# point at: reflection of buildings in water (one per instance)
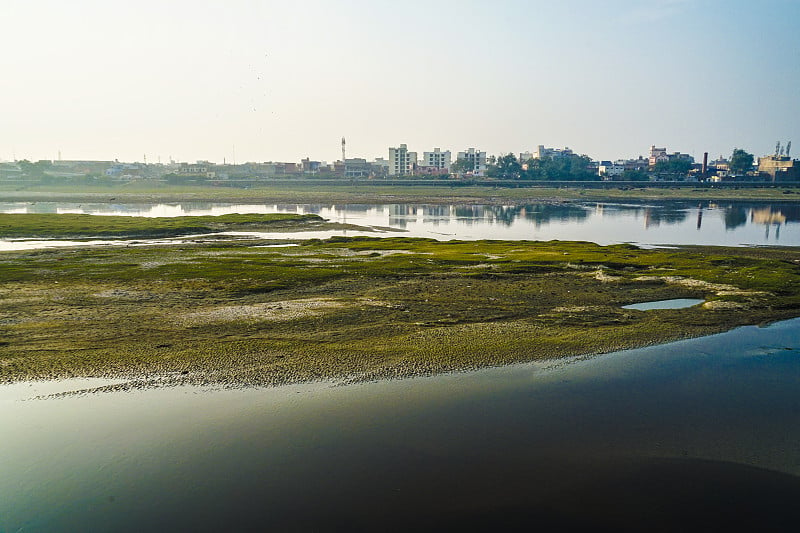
(699, 217)
(436, 210)
(353, 208)
(435, 214)
(287, 208)
(470, 214)
(399, 214)
(768, 217)
(647, 221)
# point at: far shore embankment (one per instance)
(383, 191)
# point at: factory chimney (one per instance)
(704, 175)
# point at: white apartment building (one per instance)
(477, 158)
(437, 159)
(401, 161)
(608, 169)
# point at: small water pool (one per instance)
(676, 303)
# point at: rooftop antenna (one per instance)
(788, 147)
(777, 148)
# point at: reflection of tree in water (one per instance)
(506, 215)
(791, 212)
(544, 213)
(735, 216)
(656, 216)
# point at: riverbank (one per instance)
(235, 313)
(310, 192)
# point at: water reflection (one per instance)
(689, 436)
(659, 223)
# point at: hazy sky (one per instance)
(281, 80)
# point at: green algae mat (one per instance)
(51, 225)
(240, 313)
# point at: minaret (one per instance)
(344, 161)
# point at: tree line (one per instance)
(570, 167)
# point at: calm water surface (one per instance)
(695, 435)
(731, 224)
(675, 303)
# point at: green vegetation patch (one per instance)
(81, 226)
(364, 308)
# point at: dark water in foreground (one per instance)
(696, 435)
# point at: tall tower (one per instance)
(343, 143)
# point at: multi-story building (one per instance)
(657, 155)
(779, 168)
(640, 163)
(311, 167)
(201, 168)
(401, 161)
(357, 168)
(610, 170)
(541, 152)
(380, 167)
(437, 159)
(477, 160)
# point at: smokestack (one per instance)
(705, 165)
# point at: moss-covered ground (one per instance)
(364, 308)
(78, 225)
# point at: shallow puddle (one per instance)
(676, 303)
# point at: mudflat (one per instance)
(239, 313)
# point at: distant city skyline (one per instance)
(280, 81)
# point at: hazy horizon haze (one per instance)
(281, 81)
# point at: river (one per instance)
(695, 435)
(655, 224)
(687, 435)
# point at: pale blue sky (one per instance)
(285, 80)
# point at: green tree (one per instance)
(635, 175)
(34, 170)
(676, 166)
(462, 166)
(741, 162)
(505, 167)
(563, 168)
